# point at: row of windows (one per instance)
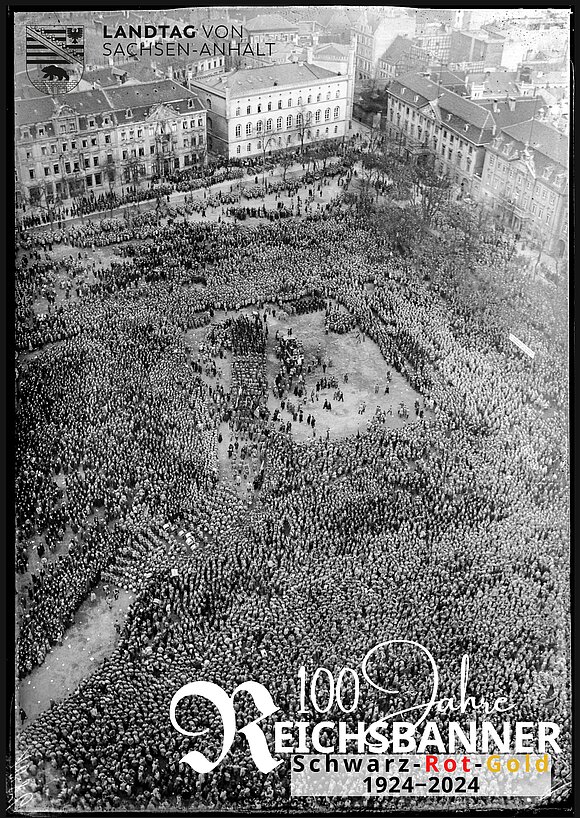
(289, 103)
(270, 144)
(267, 125)
(71, 125)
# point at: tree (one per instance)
(434, 191)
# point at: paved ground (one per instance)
(83, 648)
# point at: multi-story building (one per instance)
(270, 28)
(475, 50)
(436, 41)
(373, 34)
(452, 18)
(278, 107)
(525, 176)
(105, 139)
(431, 123)
(401, 57)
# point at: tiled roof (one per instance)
(255, 79)
(524, 108)
(397, 49)
(149, 93)
(543, 138)
(270, 22)
(327, 50)
(415, 84)
(118, 98)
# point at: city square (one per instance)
(269, 407)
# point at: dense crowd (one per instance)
(449, 530)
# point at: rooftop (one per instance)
(255, 79)
(543, 138)
(270, 22)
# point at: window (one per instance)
(238, 130)
(268, 124)
(309, 100)
(290, 102)
(259, 144)
(238, 149)
(87, 162)
(540, 212)
(84, 143)
(249, 147)
(209, 124)
(308, 116)
(238, 111)
(96, 159)
(317, 116)
(318, 132)
(318, 97)
(125, 154)
(248, 129)
(73, 145)
(278, 123)
(106, 121)
(89, 180)
(190, 103)
(289, 121)
(249, 109)
(46, 171)
(298, 119)
(259, 126)
(94, 142)
(128, 113)
(337, 112)
(259, 108)
(269, 106)
(55, 169)
(98, 178)
(152, 149)
(107, 139)
(327, 114)
(41, 130)
(67, 167)
(336, 129)
(53, 148)
(208, 104)
(44, 151)
(279, 104)
(299, 100)
(337, 93)
(328, 95)
(62, 129)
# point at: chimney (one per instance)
(309, 54)
(495, 107)
(511, 103)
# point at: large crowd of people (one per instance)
(449, 530)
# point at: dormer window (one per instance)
(41, 130)
(128, 113)
(91, 123)
(25, 133)
(106, 121)
(190, 103)
(416, 98)
(466, 127)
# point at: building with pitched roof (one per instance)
(525, 177)
(276, 107)
(432, 123)
(402, 56)
(271, 28)
(104, 139)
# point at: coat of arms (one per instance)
(55, 57)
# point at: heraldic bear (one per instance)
(52, 72)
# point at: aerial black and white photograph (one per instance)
(291, 456)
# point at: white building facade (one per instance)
(280, 107)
